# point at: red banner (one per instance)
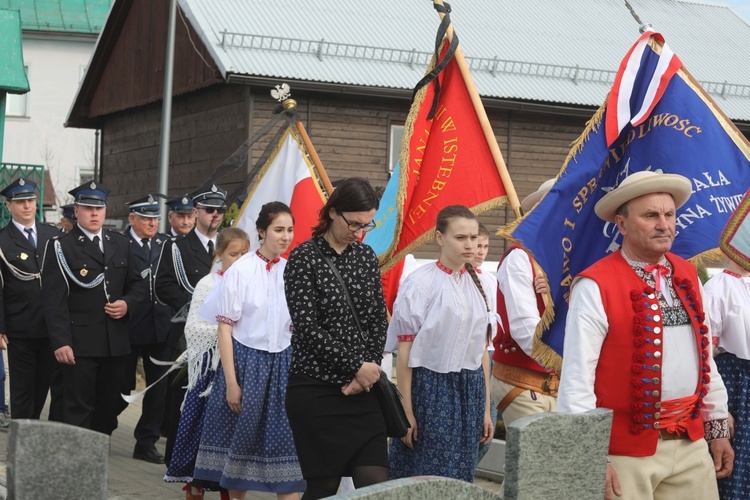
(444, 161)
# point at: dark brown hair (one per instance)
(269, 212)
(450, 212)
(354, 194)
(483, 231)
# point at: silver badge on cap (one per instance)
(214, 188)
(92, 185)
(150, 199)
(21, 182)
(184, 201)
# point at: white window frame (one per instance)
(17, 105)
(396, 134)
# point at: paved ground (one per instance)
(136, 479)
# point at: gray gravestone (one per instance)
(54, 460)
(558, 456)
(432, 487)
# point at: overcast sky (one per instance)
(741, 7)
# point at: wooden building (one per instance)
(352, 101)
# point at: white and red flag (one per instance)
(289, 177)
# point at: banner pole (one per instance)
(489, 135)
(291, 104)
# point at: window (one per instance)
(85, 174)
(17, 104)
(397, 133)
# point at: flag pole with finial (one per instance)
(476, 100)
(282, 94)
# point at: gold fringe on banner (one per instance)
(428, 236)
(404, 157)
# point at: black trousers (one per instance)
(91, 392)
(147, 429)
(30, 366)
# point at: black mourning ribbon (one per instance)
(432, 75)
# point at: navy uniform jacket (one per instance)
(196, 262)
(149, 321)
(75, 315)
(21, 313)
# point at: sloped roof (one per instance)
(61, 16)
(548, 51)
(12, 73)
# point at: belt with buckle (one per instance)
(544, 383)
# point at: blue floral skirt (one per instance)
(182, 462)
(449, 409)
(252, 451)
(736, 375)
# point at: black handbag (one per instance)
(396, 423)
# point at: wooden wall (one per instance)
(350, 134)
(133, 74)
(207, 126)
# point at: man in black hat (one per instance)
(68, 219)
(148, 327)
(184, 261)
(22, 327)
(91, 282)
(181, 215)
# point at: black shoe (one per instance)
(149, 455)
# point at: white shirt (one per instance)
(516, 280)
(728, 308)
(23, 229)
(205, 239)
(91, 235)
(254, 298)
(449, 317)
(585, 331)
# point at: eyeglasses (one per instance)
(210, 210)
(354, 226)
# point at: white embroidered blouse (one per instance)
(445, 316)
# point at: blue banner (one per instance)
(381, 238)
(684, 134)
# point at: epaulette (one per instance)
(112, 231)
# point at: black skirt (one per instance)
(334, 433)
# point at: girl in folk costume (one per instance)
(203, 358)
(443, 318)
(247, 443)
(727, 297)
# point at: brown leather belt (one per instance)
(544, 383)
(666, 435)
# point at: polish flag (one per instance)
(288, 177)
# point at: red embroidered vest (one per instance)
(507, 351)
(628, 375)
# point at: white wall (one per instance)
(55, 66)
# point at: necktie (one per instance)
(96, 242)
(30, 235)
(211, 248)
(146, 246)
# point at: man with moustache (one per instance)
(148, 327)
(22, 326)
(181, 215)
(184, 261)
(637, 342)
(90, 284)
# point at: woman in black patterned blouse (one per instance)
(337, 423)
